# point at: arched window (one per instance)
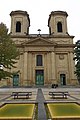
(18, 26)
(39, 60)
(59, 27)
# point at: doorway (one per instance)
(63, 79)
(16, 80)
(39, 77)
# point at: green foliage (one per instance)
(8, 52)
(77, 59)
(4, 74)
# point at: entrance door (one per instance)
(63, 79)
(15, 80)
(39, 77)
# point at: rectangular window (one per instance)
(39, 60)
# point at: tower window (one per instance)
(39, 60)
(59, 27)
(18, 26)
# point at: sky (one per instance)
(39, 11)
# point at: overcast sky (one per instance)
(39, 11)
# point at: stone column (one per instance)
(45, 69)
(21, 67)
(25, 68)
(33, 69)
(53, 73)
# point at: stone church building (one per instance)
(45, 59)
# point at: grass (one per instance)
(17, 110)
(64, 110)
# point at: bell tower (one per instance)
(20, 22)
(57, 23)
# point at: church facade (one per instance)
(45, 59)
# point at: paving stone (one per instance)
(41, 108)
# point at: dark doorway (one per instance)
(39, 77)
(63, 79)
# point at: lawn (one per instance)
(66, 110)
(17, 111)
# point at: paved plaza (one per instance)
(40, 95)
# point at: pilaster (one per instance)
(69, 68)
(48, 67)
(72, 66)
(53, 73)
(25, 68)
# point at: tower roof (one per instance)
(59, 13)
(18, 12)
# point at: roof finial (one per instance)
(39, 31)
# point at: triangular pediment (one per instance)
(39, 41)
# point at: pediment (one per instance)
(39, 41)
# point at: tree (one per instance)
(77, 59)
(8, 52)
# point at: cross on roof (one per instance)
(39, 31)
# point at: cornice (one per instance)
(65, 45)
(43, 36)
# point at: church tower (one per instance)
(57, 23)
(20, 22)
